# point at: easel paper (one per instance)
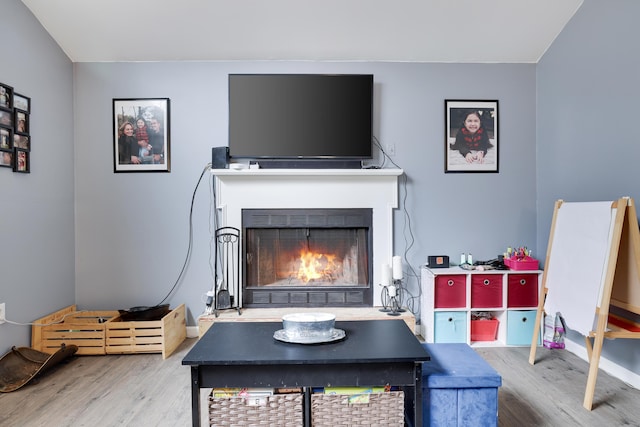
(578, 262)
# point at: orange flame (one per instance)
(314, 266)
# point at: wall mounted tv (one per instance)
(301, 118)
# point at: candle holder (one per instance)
(400, 291)
(384, 298)
(392, 298)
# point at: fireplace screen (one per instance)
(307, 258)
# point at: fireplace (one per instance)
(307, 257)
(236, 191)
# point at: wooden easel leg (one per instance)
(593, 373)
(536, 330)
(534, 340)
(589, 347)
(594, 361)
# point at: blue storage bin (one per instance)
(450, 327)
(520, 327)
(459, 388)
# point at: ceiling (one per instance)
(494, 31)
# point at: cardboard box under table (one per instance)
(459, 387)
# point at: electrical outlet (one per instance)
(390, 149)
(3, 315)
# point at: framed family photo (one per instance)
(6, 97)
(22, 161)
(6, 159)
(21, 102)
(6, 118)
(22, 141)
(6, 139)
(21, 122)
(141, 135)
(471, 136)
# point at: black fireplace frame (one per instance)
(305, 296)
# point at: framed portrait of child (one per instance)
(471, 136)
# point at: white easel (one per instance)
(619, 276)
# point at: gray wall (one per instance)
(132, 229)
(587, 122)
(37, 211)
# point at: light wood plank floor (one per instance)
(144, 390)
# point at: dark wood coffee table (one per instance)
(245, 354)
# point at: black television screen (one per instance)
(300, 116)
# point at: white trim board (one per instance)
(611, 368)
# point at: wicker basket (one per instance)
(277, 410)
(382, 410)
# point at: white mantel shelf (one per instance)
(375, 189)
(306, 172)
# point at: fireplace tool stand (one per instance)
(392, 296)
(227, 270)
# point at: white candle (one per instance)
(392, 290)
(386, 274)
(397, 268)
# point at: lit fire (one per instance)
(315, 266)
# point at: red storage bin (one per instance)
(484, 330)
(450, 291)
(486, 291)
(523, 290)
(526, 263)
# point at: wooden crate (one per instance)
(86, 329)
(156, 336)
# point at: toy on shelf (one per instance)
(520, 259)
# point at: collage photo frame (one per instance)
(15, 124)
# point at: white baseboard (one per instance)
(192, 332)
(611, 368)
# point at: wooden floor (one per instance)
(144, 390)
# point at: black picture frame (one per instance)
(6, 158)
(129, 153)
(21, 102)
(6, 138)
(21, 122)
(6, 97)
(475, 149)
(21, 161)
(6, 118)
(15, 124)
(22, 141)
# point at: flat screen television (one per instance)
(300, 116)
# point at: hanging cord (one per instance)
(101, 319)
(213, 227)
(407, 230)
(190, 245)
(411, 301)
(385, 156)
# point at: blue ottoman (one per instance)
(459, 388)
